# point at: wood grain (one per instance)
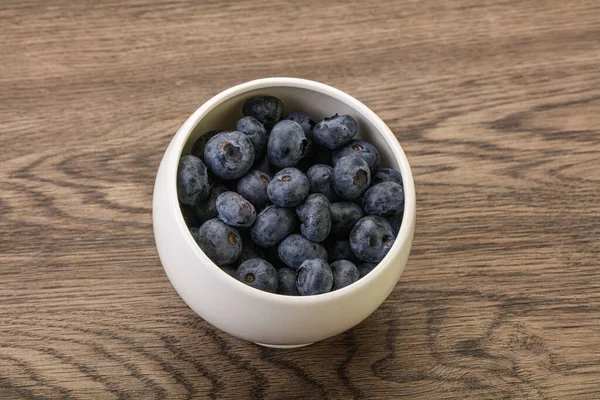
(497, 105)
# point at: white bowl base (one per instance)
(283, 346)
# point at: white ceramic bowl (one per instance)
(265, 318)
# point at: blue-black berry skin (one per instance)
(235, 210)
(287, 144)
(315, 215)
(249, 250)
(266, 109)
(387, 175)
(314, 277)
(335, 131)
(256, 132)
(229, 155)
(304, 164)
(287, 282)
(272, 225)
(207, 209)
(340, 250)
(229, 270)
(304, 120)
(288, 188)
(320, 177)
(253, 186)
(344, 273)
(231, 184)
(371, 238)
(360, 148)
(200, 144)
(264, 165)
(189, 216)
(396, 222)
(258, 274)
(307, 124)
(344, 215)
(351, 177)
(194, 231)
(192, 180)
(295, 249)
(365, 268)
(385, 199)
(220, 242)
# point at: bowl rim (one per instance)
(406, 229)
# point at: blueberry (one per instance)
(267, 109)
(304, 164)
(189, 215)
(351, 177)
(340, 250)
(229, 155)
(192, 180)
(287, 144)
(385, 199)
(320, 178)
(249, 250)
(256, 132)
(200, 144)
(344, 274)
(253, 186)
(396, 222)
(207, 209)
(387, 175)
(295, 249)
(371, 238)
(229, 270)
(307, 124)
(287, 282)
(364, 150)
(365, 268)
(304, 120)
(235, 210)
(194, 231)
(288, 188)
(264, 165)
(272, 225)
(314, 277)
(315, 216)
(344, 215)
(221, 243)
(333, 132)
(259, 274)
(231, 184)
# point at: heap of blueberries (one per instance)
(289, 206)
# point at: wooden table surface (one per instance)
(497, 105)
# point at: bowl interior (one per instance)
(318, 105)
